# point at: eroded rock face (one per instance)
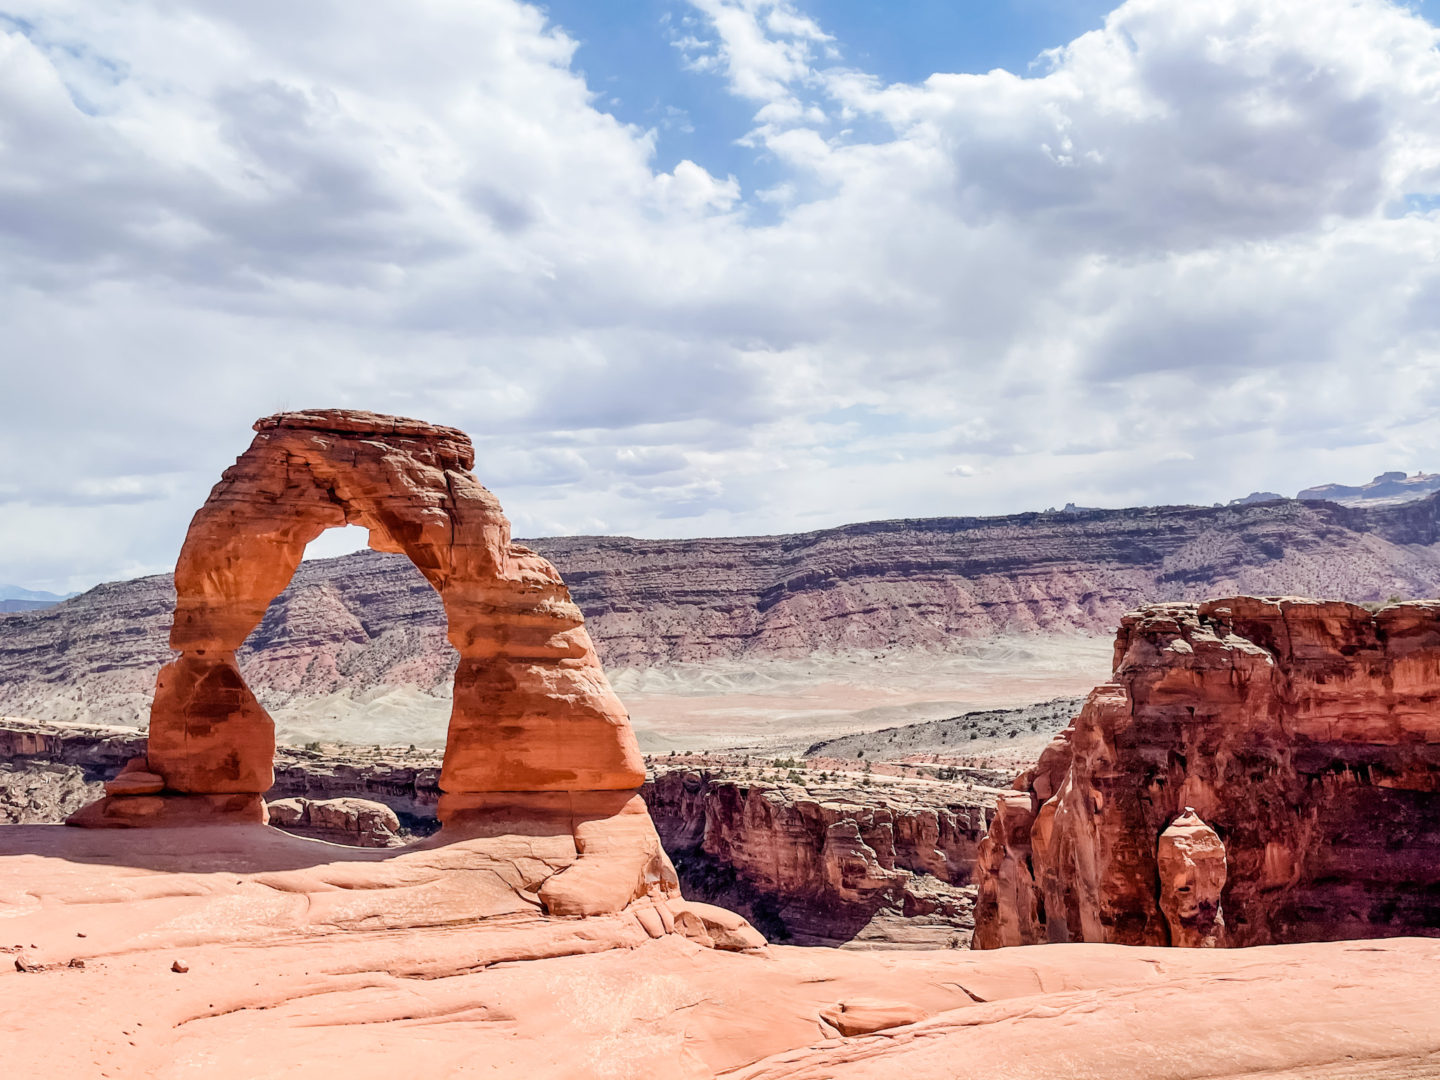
(532, 708)
(826, 868)
(1191, 862)
(1306, 736)
(540, 754)
(354, 822)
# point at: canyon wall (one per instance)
(888, 864)
(1304, 735)
(367, 624)
(826, 865)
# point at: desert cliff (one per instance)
(1299, 743)
(826, 863)
(366, 625)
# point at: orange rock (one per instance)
(357, 822)
(135, 782)
(1305, 734)
(532, 711)
(1191, 861)
(714, 927)
(861, 1016)
(540, 750)
(149, 811)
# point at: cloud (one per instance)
(1195, 252)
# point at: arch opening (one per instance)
(354, 652)
(352, 663)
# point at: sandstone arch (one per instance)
(533, 711)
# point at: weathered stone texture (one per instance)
(826, 865)
(1305, 734)
(540, 756)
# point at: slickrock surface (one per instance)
(366, 629)
(1305, 734)
(908, 883)
(827, 863)
(240, 952)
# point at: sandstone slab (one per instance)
(305, 959)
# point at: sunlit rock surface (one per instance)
(1305, 734)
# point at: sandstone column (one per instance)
(1191, 859)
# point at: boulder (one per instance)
(354, 822)
(862, 1016)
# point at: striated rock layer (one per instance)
(1297, 742)
(367, 623)
(882, 866)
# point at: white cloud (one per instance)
(1196, 240)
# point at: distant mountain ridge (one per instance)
(15, 592)
(1387, 488)
(362, 626)
(14, 598)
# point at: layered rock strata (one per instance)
(539, 747)
(829, 864)
(1258, 771)
(369, 622)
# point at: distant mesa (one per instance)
(14, 598)
(1388, 487)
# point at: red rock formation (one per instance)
(1191, 860)
(1305, 733)
(538, 743)
(887, 863)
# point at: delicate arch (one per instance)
(532, 711)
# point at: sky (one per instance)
(714, 267)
